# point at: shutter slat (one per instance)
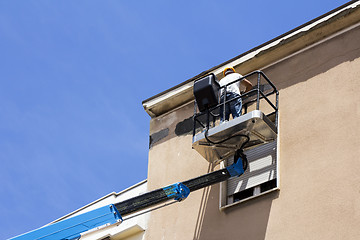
(262, 168)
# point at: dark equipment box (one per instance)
(206, 92)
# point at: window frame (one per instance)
(225, 201)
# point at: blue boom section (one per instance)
(72, 228)
(177, 191)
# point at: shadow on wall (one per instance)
(246, 220)
(295, 69)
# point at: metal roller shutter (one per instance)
(262, 168)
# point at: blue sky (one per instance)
(73, 75)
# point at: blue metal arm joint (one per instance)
(178, 191)
(236, 169)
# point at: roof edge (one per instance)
(290, 35)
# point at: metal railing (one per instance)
(262, 90)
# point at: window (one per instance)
(260, 177)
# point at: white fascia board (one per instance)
(168, 95)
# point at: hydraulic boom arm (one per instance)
(180, 191)
(72, 228)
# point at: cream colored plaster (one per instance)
(320, 194)
(174, 161)
(170, 119)
(169, 163)
(319, 126)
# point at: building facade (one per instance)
(316, 69)
(311, 190)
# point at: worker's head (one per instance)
(228, 70)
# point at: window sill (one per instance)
(249, 198)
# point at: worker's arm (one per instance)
(248, 84)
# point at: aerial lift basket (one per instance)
(217, 141)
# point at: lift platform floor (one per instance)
(254, 124)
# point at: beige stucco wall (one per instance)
(173, 160)
(319, 195)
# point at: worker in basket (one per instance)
(232, 91)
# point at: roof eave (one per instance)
(260, 56)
